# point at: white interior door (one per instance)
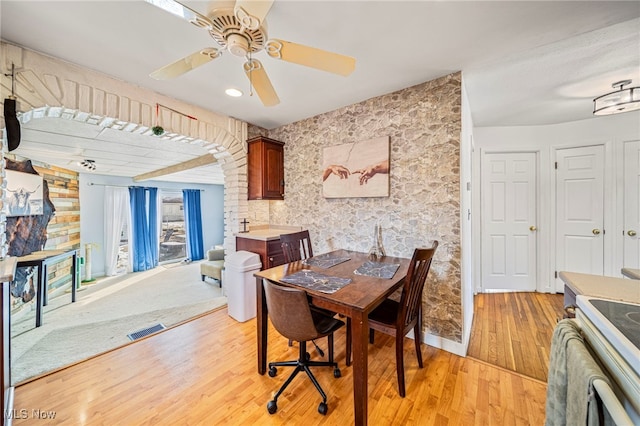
(509, 206)
(580, 210)
(631, 245)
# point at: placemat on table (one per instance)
(326, 260)
(316, 281)
(377, 269)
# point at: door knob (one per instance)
(596, 231)
(533, 228)
(631, 233)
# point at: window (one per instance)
(172, 232)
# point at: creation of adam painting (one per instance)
(359, 169)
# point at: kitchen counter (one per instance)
(268, 232)
(631, 273)
(604, 287)
(265, 241)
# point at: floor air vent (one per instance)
(146, 332)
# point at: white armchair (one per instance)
(213, 265)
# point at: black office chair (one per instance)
(293, 318)
(297, 246)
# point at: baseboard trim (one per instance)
(456, 348)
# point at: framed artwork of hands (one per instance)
(359, 169)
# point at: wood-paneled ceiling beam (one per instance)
(203, 160)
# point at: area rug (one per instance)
(105, 313)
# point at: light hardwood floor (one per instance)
(513, 330)
(205, 373)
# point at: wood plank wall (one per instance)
(63, 231)
(64, 228)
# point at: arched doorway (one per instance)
(48, 87)
(52, 89)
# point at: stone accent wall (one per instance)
(424, 125)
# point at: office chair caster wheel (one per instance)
(336, 373)
(273, 371)
(322, 408)
(307, 356)
(272, 407)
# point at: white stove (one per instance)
(612, 330)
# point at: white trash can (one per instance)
(241, 284)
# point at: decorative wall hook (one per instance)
(13, 81)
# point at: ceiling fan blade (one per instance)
(188, 63)
(310, 57)
(251, 13)
(182, 11)
(261, 83)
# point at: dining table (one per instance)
(347, 282)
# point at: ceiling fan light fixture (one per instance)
(89, 165)
(621, 100)
(237, 45)
(233, 92)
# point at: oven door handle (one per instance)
(609, 399)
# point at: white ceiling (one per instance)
(523, 63)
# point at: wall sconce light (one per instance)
(622, 100)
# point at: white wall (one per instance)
(610, 131)
(92, 212)
(466, 267)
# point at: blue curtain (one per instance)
(144, 227)
(193, 223)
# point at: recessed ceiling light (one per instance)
(233, 92)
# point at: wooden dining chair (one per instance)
(397, 318)
(297, 246)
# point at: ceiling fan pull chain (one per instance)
(251, 68)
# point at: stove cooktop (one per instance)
(617, 323)
(624, 316)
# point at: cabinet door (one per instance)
(265, 168)
(254, 171)
(273, 171)
(275, 256)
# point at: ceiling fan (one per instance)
(241, 30)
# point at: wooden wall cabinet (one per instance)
(265, 164)
(270, 251)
